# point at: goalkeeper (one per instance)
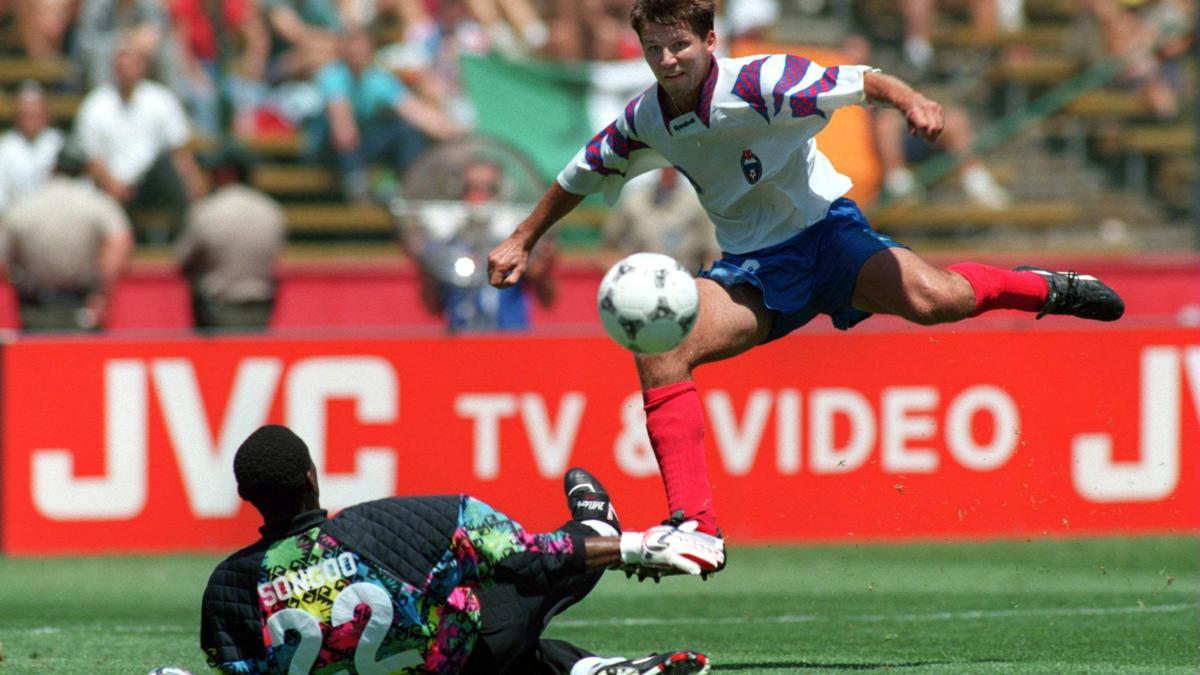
(440, 584)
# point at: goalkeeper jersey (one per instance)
(384, 587)
(747, 148)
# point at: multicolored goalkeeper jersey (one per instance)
(383, 587)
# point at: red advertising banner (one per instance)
(128, 445)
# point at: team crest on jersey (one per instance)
(752, 167)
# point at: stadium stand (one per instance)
(1102, 157)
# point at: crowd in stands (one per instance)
(373, 82)
(1152, 39)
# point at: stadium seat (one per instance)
(294, 180)
(948, 217)
(62, 108)
(338, 218)
(14, 69)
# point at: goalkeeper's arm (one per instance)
(500, 550)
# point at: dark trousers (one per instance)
(513, 619)
(388, 139)
(159, 203)
(211, 314)
(54, 311)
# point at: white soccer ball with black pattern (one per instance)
(648, 303)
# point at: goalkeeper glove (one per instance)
(666, 547)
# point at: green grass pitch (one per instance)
(1121, 605)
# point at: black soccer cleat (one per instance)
(1080, 295)
(683, 662)
(587, 499)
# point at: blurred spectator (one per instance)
(1152, 37)
(106, 26)
(224, 47)
(371, 117)
(450, 242)
(899, 150)
(65, 245)
(513, 27)
(425, 58)
(42, 24)
(661, 216)
(135, 134)
(28, 151)
(988, 17)
(304, 36)
(750, 19)
(592, 30)
(229, 247)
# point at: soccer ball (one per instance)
(648, 303)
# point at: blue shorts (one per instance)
(812, 273)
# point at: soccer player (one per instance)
(419, 584)
(741, 130)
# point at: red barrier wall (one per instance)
(126, 445)
(384, 294)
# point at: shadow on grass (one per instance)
(811, 665)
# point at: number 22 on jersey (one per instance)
(308, 627)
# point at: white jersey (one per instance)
(747, 148)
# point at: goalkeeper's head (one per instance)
(276, 474)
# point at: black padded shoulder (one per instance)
(407, 535)
(230, 625)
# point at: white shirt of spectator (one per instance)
(128, 136)
(748, 148)
(25, 164)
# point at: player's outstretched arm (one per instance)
(507, 262)
(664, 547)
(924, 116)
(495, 548)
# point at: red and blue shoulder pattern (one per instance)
(622, 145)
(748, 87)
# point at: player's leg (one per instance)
(512, 619)
(562, 658)
(897, 281)
(557, 657)
(732, 319)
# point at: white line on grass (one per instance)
(111, 628)
(743, 618)
(880, 618)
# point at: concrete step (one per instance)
(14, 69)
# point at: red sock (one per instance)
(1003, 289)
(675, 421)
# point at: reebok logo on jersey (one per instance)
(752, 167)
(680, 126)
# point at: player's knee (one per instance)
(656, 370)
(931, 300)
